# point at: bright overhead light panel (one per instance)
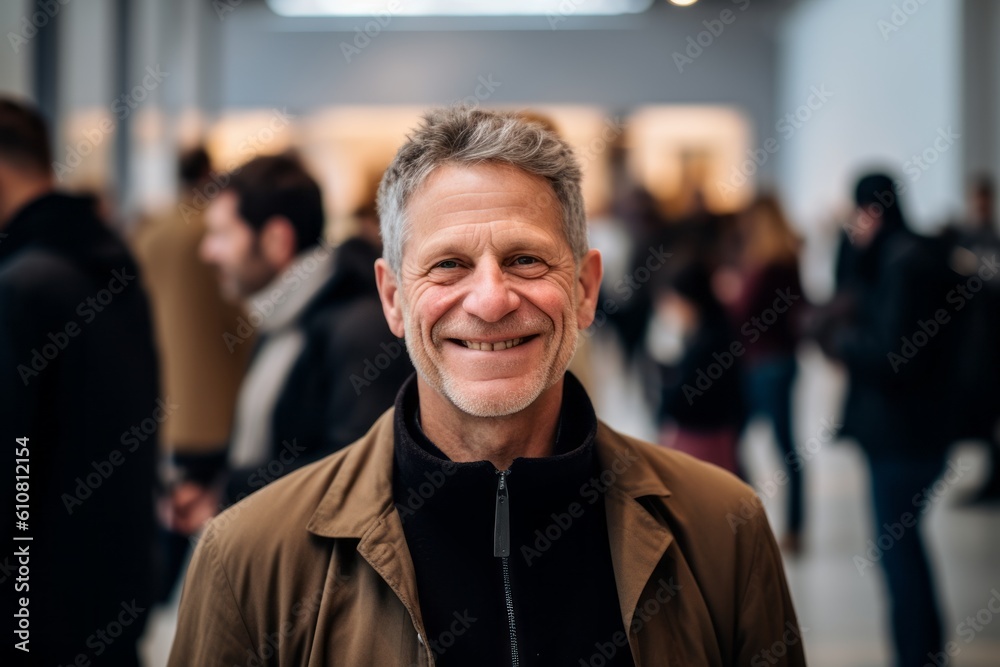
(456, 7)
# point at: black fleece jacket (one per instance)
(561, 582)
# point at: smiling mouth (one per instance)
(492, 347)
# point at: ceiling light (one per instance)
(455, 7)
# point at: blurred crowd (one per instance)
(912, 320)
(169, 372)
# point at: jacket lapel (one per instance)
(638, 540)
(384, 547)
(358, 505)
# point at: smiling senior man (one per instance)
(489, 518)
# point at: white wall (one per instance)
(616, 63)
(16, 63)
(893, 91)
(981, 51)
(87, 54)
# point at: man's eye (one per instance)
(525, 261)
(448, 264)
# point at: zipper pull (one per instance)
(501, 525)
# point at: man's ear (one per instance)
(278, 241)
(588, 286)
(389, 293)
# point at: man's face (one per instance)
(230, 245)
(490, 299)
(867, 222)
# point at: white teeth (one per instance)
(493, 347)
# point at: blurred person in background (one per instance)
(635, 209)
(977, 245)
(199, 373)
(899, 356)
(702, 407)
(80, 404)
(365, 214)
(763, 294)
(325, 364)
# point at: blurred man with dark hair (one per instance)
(24, 145)
(194, 168)
(325, 365)
(79, 397)
(896, 343)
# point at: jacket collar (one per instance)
(359, 505)
(361, 491)
(543, 484)
(293, 289)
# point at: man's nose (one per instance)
(490, 297)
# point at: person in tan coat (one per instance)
(191, 318)
(200, 375)
(489, 517)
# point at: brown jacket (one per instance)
(314, 569)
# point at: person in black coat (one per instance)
(895, 334)
(324, 365)
(975, 247)
(79, 415)
(895, 341)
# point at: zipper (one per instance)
(501, 525)
(501, 550)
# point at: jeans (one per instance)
(898, 489)
(767, 387)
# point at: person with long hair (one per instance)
(767, 269)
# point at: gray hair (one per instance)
(469, 135)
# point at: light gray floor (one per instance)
(841, 611)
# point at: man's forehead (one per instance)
(223, 213)
(459, 190)
(498, 234)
